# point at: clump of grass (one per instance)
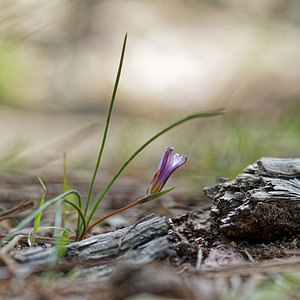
(85, 215)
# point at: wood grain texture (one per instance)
(261, 204)
(100, 255)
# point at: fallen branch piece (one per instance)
(261, 204)
(137, 244)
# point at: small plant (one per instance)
(168, 164)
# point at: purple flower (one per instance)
(167, 165)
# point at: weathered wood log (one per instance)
(261, 204)
(138, 244)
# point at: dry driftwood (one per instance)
(263, 203)
(141, 243)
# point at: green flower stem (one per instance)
(190, 117)
(106, 126)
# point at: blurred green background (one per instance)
(58, 61)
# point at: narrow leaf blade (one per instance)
(151, 197)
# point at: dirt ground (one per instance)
(202, 264)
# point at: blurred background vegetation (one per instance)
(58, 61)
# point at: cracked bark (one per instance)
(261, 204)
(100, 255)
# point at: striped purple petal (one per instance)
(167, 165)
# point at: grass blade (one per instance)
(60, 246)
(112, 101)
(39, 216)
(183, 120)
(31, 217)
(44, 228)
(57, 224)
(151, 197)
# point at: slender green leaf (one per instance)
(67, 185)
(82, 217)
(57, 224)
(151, 197)
(61, 244)
(112, 101)
(45, 228)
(31, 217)
(206, 114)
(39, 216)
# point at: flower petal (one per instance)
(153, 183)
(166, 159)
(167, 165)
